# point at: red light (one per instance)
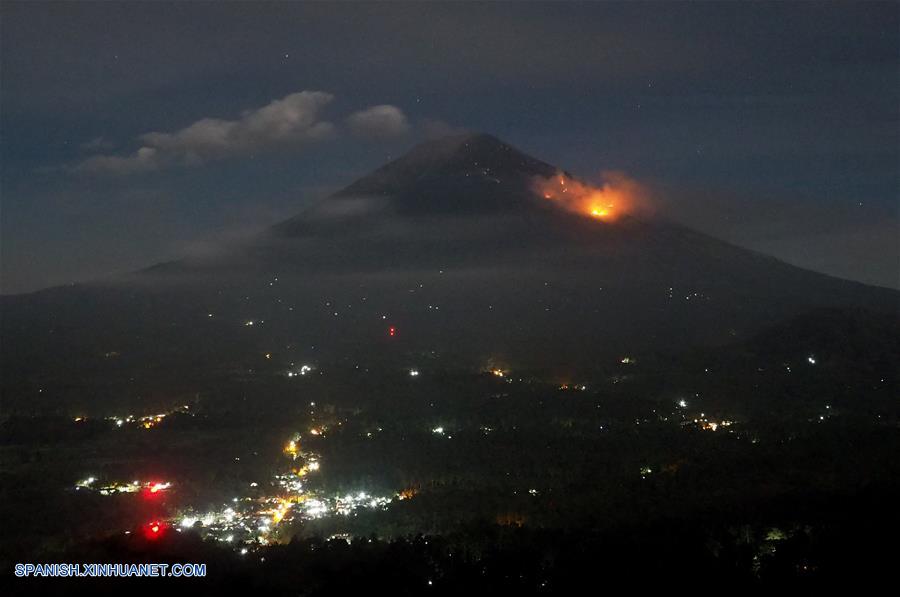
(154, 530)
(392, 331)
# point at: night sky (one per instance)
(134, 133)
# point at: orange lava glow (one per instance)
(619, 195)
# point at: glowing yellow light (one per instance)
(155, 487)
(278, 514)
(617, 196)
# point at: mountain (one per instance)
(446, 257)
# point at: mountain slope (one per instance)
(452, 248)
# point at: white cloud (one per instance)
(378, 122)
(142, 160)
(291, 120)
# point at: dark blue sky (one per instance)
(774, 126)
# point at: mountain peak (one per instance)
(464, 145)
(458, 172)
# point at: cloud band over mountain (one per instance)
(292, 121)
